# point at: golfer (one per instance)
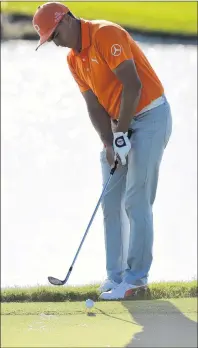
(122, 92)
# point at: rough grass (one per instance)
(172, 17)
(162, 290)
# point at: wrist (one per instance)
(122, 128)
(108, 140)
(123, 124)
(108, 146)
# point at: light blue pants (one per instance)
(127, 204)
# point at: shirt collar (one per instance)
(85, 34)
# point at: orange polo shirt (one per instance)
(106, 45)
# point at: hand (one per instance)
(110, 155)
(122, 146)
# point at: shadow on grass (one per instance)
(163, 325)
(114, 317)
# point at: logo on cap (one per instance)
(58, 16)
(36, 28)
(116, 50)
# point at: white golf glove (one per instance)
(122, 146)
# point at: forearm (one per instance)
(129, 101)
(102, 124)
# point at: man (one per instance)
(122, 92)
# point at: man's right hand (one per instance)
(110, 155)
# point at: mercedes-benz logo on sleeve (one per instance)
(116, 50)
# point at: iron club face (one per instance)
(55, 281)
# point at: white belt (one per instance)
(157, 102)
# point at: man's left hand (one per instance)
(122, 146)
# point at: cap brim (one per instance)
(45, 37)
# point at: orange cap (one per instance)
(46, 19)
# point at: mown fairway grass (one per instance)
(112, 324)
(47, 316)
(171, 17)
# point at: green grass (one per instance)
(171, 17)
(113, 324)
(66, 331)
(60, 294)
(186, 305)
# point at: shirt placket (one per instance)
(86, 65)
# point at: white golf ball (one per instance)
(89, 303)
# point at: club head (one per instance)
(55, 281)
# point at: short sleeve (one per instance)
(113, 45)
(81, 84)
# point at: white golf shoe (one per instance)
(122, 291)
(107, 285)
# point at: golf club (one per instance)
(56, 281)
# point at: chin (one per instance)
(63, 45)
